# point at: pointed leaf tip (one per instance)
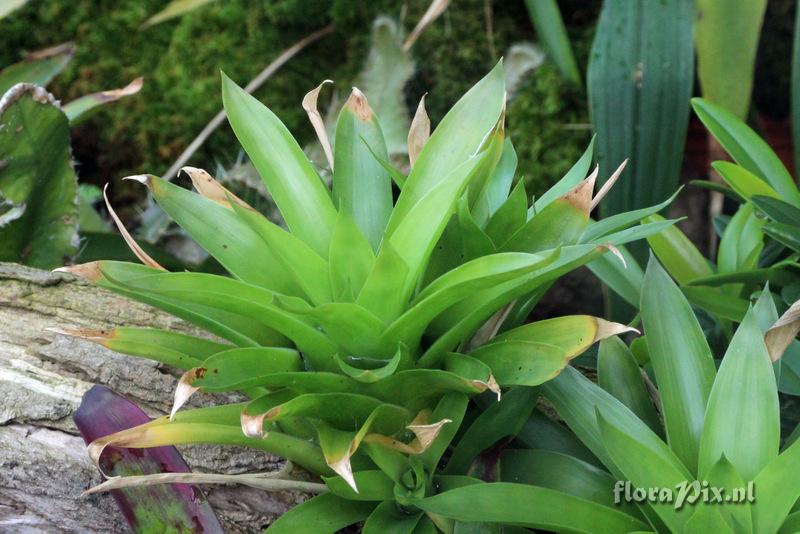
(358, 104)
(137, 250)
(88, 271)
(185, 389)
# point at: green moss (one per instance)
(181, 59)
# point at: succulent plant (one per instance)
(360, 332)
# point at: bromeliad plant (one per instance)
(714, 428)
(360, 333)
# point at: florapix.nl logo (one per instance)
(683, 493)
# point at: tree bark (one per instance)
(43, 375)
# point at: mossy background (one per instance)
(180, 60)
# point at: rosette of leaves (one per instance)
(702, 427)
(360, 331)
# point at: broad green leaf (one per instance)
(45, 233)
(650, 464)
(353, 328)
(528, 506)
(39, 68)
(306, 268)
(362, 188)
(474, 241)
(575, 397)
(640, 79)
(350, 259)
(784, 234)
(720, 305)
(707, 518)
(371, 375)
(678, 255)
(542, 433)
(241, 368)
(510, 216)
(502, 419)
(387, 518)
(742, 420)
(323, 514)
(498, 186)
(743, 182)
(372, 486)
(231, 240)
(454, 141)
(619, 374)
(724, 475)
(379, 293)
(747, 148)
(726, 39)
(563, 473)
(777, 490)
(413, 242)
(301, 196)
(682, 361)
(777, 210)
(552, 34)
(741, 244)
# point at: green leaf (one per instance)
(682, 361)
(777, 210)
(175, 8)
(746, 147)
(528, 506)
(741, 243)
(45, 234)
(230, 240)
(777, 490)
(720, 305)
(620, 221)
(743, 182)
(350, 259)
(372, 486)
(707, 518)
(510, 216)
(379, 293)
(498, 186)
(619, 374)
(39, 68)
(241, 368)
(742, 420)
(640, 79)
(550, 29)
(724, 475)
(784, 234)
(323, 514)
(454, 141)
(560, 223)
(541, 432)
(624, 279)
(678, 254)
(502, 419)
(362, 188)
(560, 472)
(387, 518)
(726, 39)
(649, 464)
(370, 376)
(305, 267)
(301, 196)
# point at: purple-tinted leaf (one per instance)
(158, 508)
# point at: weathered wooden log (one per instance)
(43, 463)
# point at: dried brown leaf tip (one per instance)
(98, 336)
(357, 103)
(89, 271)
(783, 332)
(419, 132)
(253, 425)
(604, 329)
(608, 185)
(143, 256)
(581, 195)
(208, 187)
(310, 105)
(115, 94)
(185, 389)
